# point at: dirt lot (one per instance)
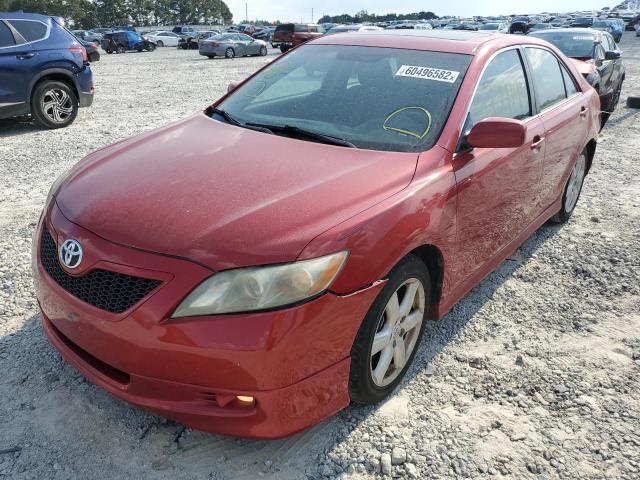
(534, 374)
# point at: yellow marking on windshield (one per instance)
(417, 135)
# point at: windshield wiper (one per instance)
(234, 121)
(301, 132)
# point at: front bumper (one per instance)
(294, 362)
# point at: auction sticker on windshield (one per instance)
(427, 73)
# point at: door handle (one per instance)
(583, 112)
(537, 143)
(25, 56)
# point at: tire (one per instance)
(284, 48)
(263, 51)
(633, 102)
(120, 49)
(151, 47)
(54, 104)
(210, 57)
(572, 189)
(110, 52)
(229, 53)
(160, 44)
(369, 380)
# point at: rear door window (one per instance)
(569, 82)
(31, 30)
(547, 77)
(6, 37)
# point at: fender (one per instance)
(424, 213)
(51, 71)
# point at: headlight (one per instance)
(55, 186)
(261, 288)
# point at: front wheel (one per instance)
(572, 190)
(120, 49)
(54, 104)
(284, 48)
(229, 53)
(390, 333)
(263, 51)
(151, 47)
(160, 43)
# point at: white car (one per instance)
(423, 26)
(163, 38)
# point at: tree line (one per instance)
(364, 16)
(93, 13)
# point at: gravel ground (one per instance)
(534, 374)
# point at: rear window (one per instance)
(301, 28)
(288, 27)
(572, 44)
(30, 30)
(329, 89)
(6, 37)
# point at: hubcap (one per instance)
(57, 105)
(397, 332)
(575, 183)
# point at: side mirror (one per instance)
(611, 55)
(497, 132)
(232, 86)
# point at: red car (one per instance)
(252, 269)
(289, 35)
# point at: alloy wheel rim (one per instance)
(57, 105)
(397, 332)
(575, 184)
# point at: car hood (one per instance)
(585, 67)
(225, 196)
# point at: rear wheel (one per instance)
(120, 49)
(229, 53)
(210, 57)
(54, 104)
(151, 46)
(263, 51)
(390, 333)
(572, 189)
(160, 43)
(284, 48)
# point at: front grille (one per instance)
(111, 291)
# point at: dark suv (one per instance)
(124, 41)
(44, 71)
(289, 35)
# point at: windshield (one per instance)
(375, 98)
(572, 44)
(489, 26)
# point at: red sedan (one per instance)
(252, 269)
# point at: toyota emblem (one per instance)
(71, 253)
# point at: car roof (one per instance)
(24, 16)
(450, 41)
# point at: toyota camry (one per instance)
(254, 268)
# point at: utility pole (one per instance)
(246, 12)
(311, 14)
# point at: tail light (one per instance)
(81, 50)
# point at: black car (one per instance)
(193, 42)
(92, 50)
(601, 61)
(123, 41)
(520, 25)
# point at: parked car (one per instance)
(603, 25)
(247, 29)
(308, 233)
(520, 25)
(536, 27)
(597, 57)
(351, 28)
(494, 27)
(582, 22)
(99, 31)
(185, 31)
(124, 41)
(163, 38)
(192, 43)
(232, 45)
(44, 71)
(265, 34)
(617, 28)
(124, 28)
(87, 36)
(93, 54)
(288, 35)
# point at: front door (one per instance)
(16, 64)
(498, 188)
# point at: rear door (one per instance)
(563, 110)
(498, 188)
(18, 62)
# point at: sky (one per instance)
(297, 10)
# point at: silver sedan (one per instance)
(231, 45)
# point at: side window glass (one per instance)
(30, 30)
(599, 52)
(547, 77)
(569, 83)
(6, 37)
(502, 91)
